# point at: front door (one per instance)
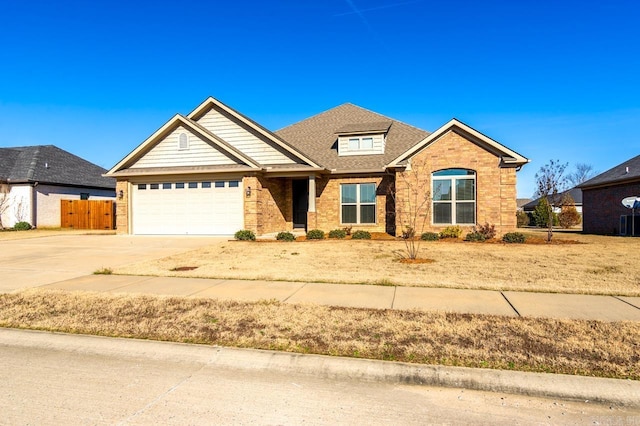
(300, 203)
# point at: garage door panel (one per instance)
(179, 211)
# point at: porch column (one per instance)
(312, 194)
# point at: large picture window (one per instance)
(454, 197)
(358, 203)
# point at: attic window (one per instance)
(183, 141)
(362, 138)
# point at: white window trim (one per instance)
(453, 201)
(358, 204)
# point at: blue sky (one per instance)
(549, 79)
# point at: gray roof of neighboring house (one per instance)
(627, 171)
(51, 165)
(520, 202)
(318, 136)
(575, 193)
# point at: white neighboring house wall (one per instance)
(48, 197)
(19, 208)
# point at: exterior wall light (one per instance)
(248, 191)
(120, 194)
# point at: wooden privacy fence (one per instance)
(87, 214)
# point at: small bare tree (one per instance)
(5, 202)
(549, 181)
(582, 173)
(412, 197)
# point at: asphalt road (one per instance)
(62, 379)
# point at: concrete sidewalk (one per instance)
(510, 303)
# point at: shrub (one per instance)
(408, 233)
(514, 237)
(523, 218)
(285, 236)
(475, 236)
(361, 235)
(245, 235)
(451, 232)
(430, 236)
(488, 231)
(337, 233)
(315, 234)
(22, 226)
(569, 216)
(541, 215)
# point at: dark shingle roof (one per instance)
(317, 136)
(575, 193)
(52, 165)
(627, 171)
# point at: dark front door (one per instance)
(300, 203)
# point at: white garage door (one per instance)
(178, 208)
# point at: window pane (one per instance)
(219, 184)
(441, 190)
(166, 186)
(368, 214)
(349, 193)
(442, 213)
(465, 189)
(367, 143)
(142, 186)
(154, 186)
(234, 183)
(354, 143)
(349, 214)
(206, 184)
(455, 172)
(179, 185)
(465, 212)
(193, 184)
(368, 193)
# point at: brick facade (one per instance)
(327, 216)
(602, 207)
(495, 185)
(122, 207)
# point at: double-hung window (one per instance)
(454, 197)
(358, 203)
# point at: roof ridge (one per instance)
(34, 163)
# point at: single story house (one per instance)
(34, 179)
(216, 171)
(575, 194)
(602, 199)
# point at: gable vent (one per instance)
(183, 141)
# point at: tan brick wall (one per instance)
(495, 186)
(276, 205)
(327, 215)
(122, 207)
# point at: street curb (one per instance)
(601, 390)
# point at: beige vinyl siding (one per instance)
(167, 153)
(378, 145)
(242, 139)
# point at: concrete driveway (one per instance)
(39, 261)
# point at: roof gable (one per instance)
(318, 136)
(624, 172)
(508, 156)
(51, 165)
(153, 145)
(246, 135)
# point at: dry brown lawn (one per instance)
(590, 348)
(590, 265)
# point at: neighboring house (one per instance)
(602, 198)
(520, 202)
(574, 193)
(216, 171)
(35, 178)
